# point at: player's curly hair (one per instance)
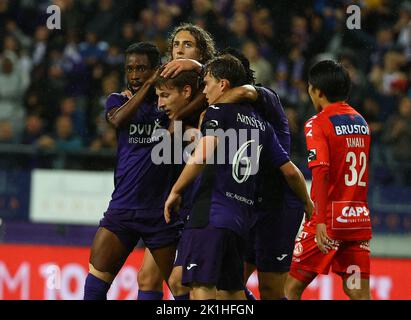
(204, 40)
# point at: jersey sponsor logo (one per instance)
(191, 266)
(144, 133)
(251, 121)
(350, 215)
(348, 124)
(239, 198)
(214, 107)
(312, 155)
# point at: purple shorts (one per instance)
(212, 256)
(271, 241)
(130, 226)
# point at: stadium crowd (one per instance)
(54, 83)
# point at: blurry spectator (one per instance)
(239, 27)
(72, 14)
(289, 81)
(115, 57)
(262, 68)
(263, 32)
(40, 44)
(92, 50)
(299, 36)
(128, 35)
(103, 22)
(14, 81)
(106, 141)
(6, 132)
(145, 26)
(164, 26)
(398, 132)
(371, 111)
(358, 80)
(384, 43)
(33, 130)
(318, 38)
(16, 33)
(403, 28)
(64, 138)
(70, 108)
(206, 16)
(389, 78)
(297, 147)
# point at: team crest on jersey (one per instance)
(298, 249)
(312, 155)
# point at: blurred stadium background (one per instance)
(57, 154)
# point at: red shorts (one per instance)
(345, 258)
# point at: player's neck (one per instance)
(326, 104)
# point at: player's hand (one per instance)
(154, 76)
(173, 68)
(127, 93)
(172, 205)
(323, 241)
(309, 209)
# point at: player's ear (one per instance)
(320, 93)
(224, 84)
(187, 91)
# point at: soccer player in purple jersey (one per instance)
(173, 94)
(136, 208)
(191, 42)
(279, 212)
(214, 238)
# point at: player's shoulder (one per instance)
(267, 94)
(317, 118)
(116, 97)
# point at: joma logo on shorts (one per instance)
(349, 211)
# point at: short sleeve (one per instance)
(115, 100)
(317, 143)
(276, 154)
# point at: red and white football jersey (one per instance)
(339, 137)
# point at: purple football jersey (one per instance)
(139, 183)
(226, 192)
(275, 191)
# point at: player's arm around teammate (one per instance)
(195, 44)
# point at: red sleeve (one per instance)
(320, 190)
(317, 143)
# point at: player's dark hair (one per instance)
(331, 78)
(148, 49)
(245, 62)
(182, 79)
(227, 67)
(204, 41)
